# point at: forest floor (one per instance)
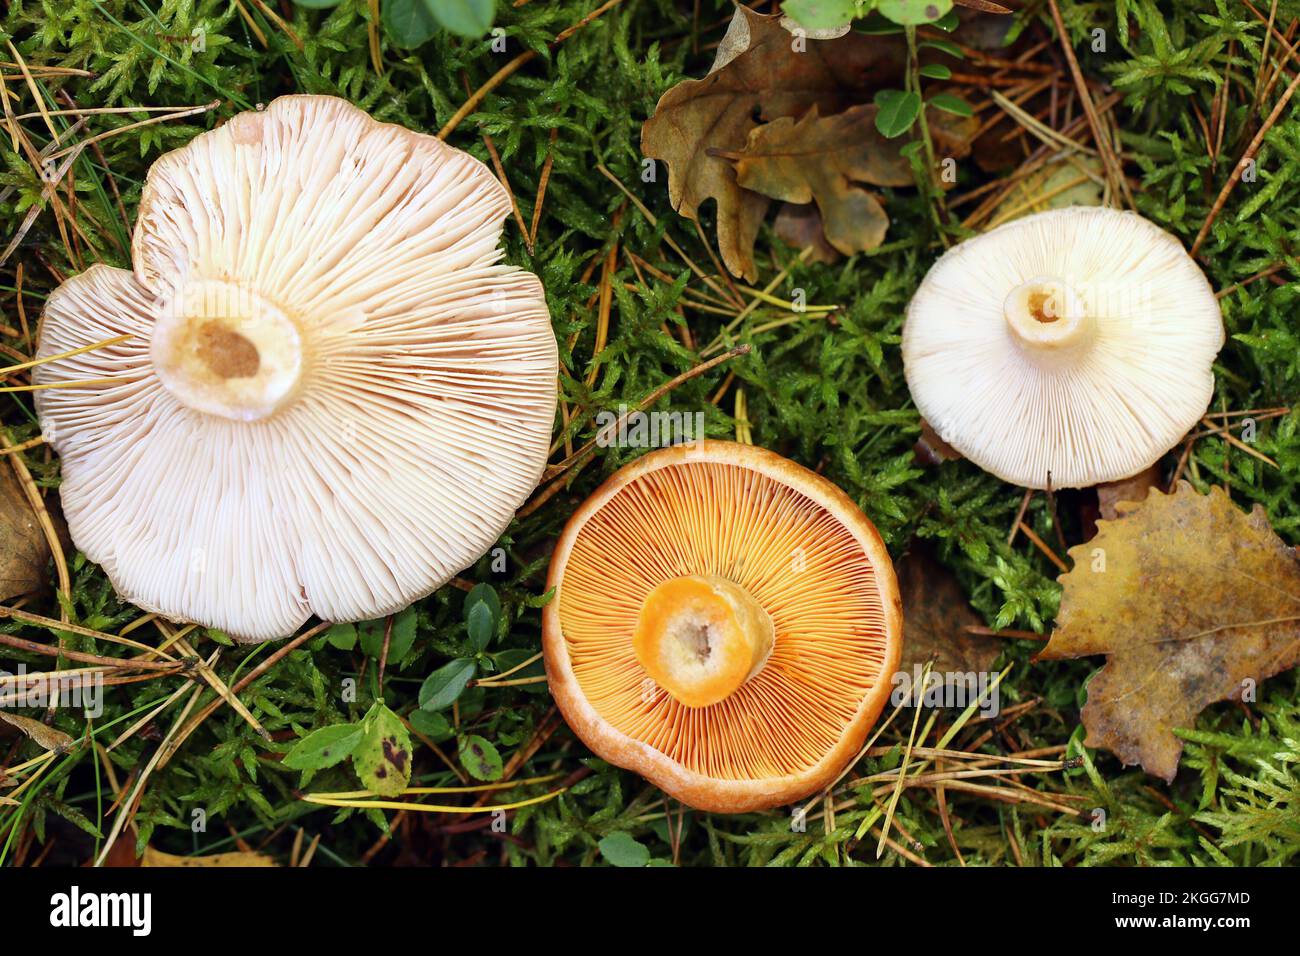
(1179, 93)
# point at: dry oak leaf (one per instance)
(820, 158)
(1110, 494)
(935, 617)
(25, 551)
(757, 75)
(1191, 599)
(800, 225)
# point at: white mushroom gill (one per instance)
(336, 396)
(1072, 347)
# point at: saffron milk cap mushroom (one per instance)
(334, 396)
(725, 623)
(1067, 348)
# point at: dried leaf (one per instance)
(1136, 489)
(42, 734)
(983, 6)
(757, 72)
(820, 158)
(154, 857)
(1192, 601)
(800, 225)
(930, 449)
(25, 552)
(935, 617)
(1055, 186)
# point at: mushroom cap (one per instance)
(808, 557)
(335, 396)
(1074, 347)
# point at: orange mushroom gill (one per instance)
(666, 595)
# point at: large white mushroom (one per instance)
(1065, 349)
(334, 396)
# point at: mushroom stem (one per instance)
(701, 637)
(222, 349)
(1046, 313)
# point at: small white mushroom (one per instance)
(335, 396)
(1064, 349)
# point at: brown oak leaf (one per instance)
(1134, 488)
(758, 75)
(800, 226)
(25, 551)
(935, 617)
(1193, 601)
(821, 158)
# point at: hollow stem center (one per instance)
(700, 637)
(222, 349)
(1046, 313)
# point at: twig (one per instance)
(1246, 157)
(503, 74)
(1113, 170)
(612, 428)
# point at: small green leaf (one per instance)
(898, 111)
(951, 104)
(479, 627)
(408, 22)
(431, 724)
(467, 18)
(911, 149)
(342, 636)
(945, 46)
(950, 21)
(403, 636)
(620, 849)
(441, 688)
(820, 14)
(936, 71)
(480, 758)
(483, 594)
(382, 758)
(371, 636)
(324, 748)
(914, 12)
(317, 4)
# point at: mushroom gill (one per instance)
(723, 541)
(332, 394)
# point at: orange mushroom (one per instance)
(725, 623)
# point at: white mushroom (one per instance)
(1066, 349)
(335, 396)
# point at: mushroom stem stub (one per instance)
(700, 637)
(221, 348)
(1046, 313)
